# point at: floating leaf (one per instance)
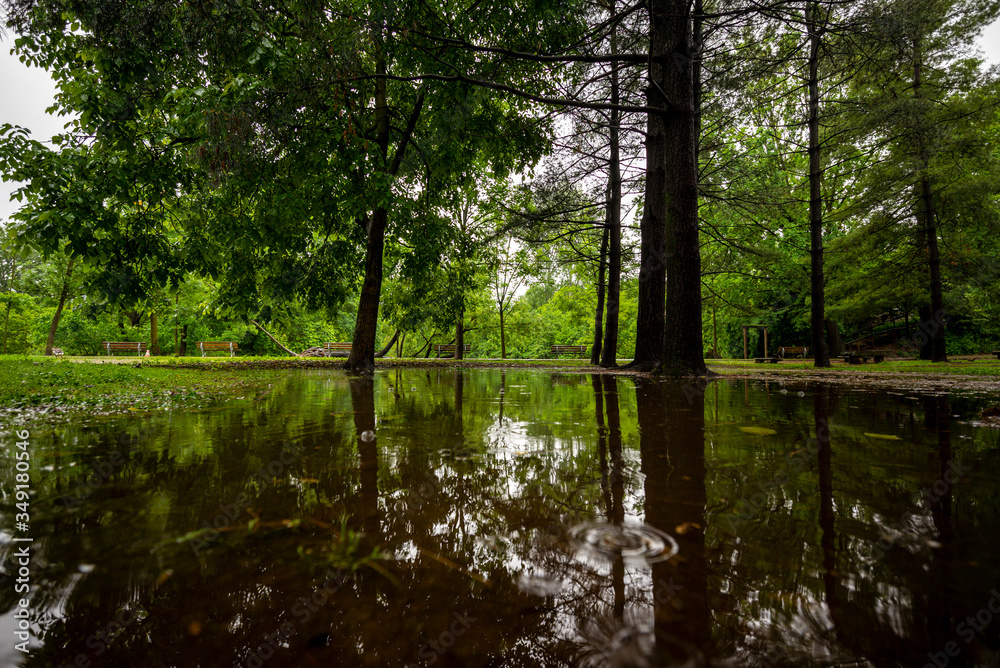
(884, 437)
(758, 431)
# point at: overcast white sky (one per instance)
(27, 92)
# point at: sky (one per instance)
(27, 92)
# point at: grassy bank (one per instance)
(45, 385)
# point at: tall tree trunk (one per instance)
(672, 150)
(595, 350)
(926, 215)
(821, 353)
(154, 335)
(653, 225)
(362, 356)
(183, 345)
(51, 341)
(609, 355)
(459, 337)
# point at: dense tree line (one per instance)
(396, 175)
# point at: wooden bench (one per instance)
(339, 347)
(211, 346)
(440, 348)
(799, 351)
(862, 356)
(576, 350)
(762, 360)
(111, 347)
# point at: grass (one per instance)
(46, 385)
(967, 367)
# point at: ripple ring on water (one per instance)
(629, 541)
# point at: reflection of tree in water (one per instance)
(477, 517)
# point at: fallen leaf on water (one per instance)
(686, 527)
(164, 576)
(758, 431)
(884, 437)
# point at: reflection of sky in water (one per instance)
(477, 513)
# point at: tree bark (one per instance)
(674, 190)
(387, 347)
(926, 215)
(459, 337)
(503, 338)
(595, 350)
(821, 354)
(51, 341)
(362, 357)
(183, 345)
(609, 355)
(154, 335)
(836, 345)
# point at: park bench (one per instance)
(111, 347)
(339, 347)
(440, 348)
(761, 360)
(576, 350)
(211, 346)
(788, 351)
(996, 352)
(862, 356)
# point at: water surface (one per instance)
(520, 519)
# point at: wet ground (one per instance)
(457, 517)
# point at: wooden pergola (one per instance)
(745, 328)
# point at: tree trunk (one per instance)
(672, 184)
(836, 345)
(6, 323)
(821, 355)
(595, 350)
(154, 335)
(609, 356)
(51, 341)
(387, 347)
(183, 345)
(652, 266)
(362, 356)
(270, 336)
(459, 337)
(925, 209)
(503, 337)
